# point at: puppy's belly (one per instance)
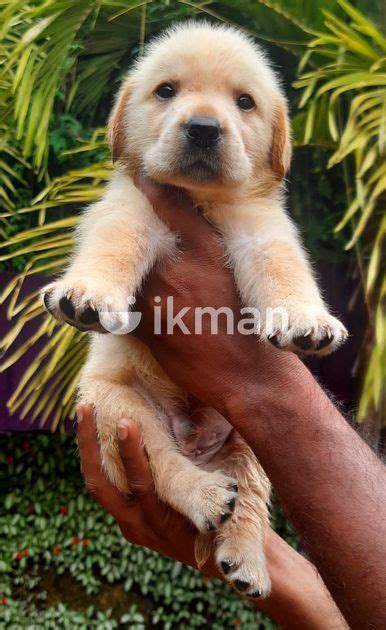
(201, 435)
(200, 432)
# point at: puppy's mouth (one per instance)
(200, 165)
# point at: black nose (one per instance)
(203, 131)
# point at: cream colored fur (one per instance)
(120, 238)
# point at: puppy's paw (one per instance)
(243, 565)
(89, 305)
(309, 332)
(212, 500)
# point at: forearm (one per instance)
(330, 483)
(298, 599)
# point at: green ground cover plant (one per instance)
(64, 563)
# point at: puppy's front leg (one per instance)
(274, 276)
(117, 242)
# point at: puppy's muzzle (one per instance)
(203, 132)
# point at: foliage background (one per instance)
(61, 62)
(64, 563)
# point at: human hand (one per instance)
(298, 598)
(217, 368)
(142, 517)
(310, 454)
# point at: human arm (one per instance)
(331, 485)
(298, 599)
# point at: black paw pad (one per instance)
(231, 504)
(325, 341)
(67, 307)
(274, 340)
(304, 342)
(255, 594)
(46, 300)
(224, 516)
(226, 566)
(89, 316)
(241, 585)
(210, 526)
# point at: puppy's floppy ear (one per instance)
(116, 122)
(281, 149)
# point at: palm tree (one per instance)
(345, 97)
(67, 55)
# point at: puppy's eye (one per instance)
(165, 91)
(246, 102)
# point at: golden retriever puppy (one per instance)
(201, 110)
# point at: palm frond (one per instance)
(47, 387)
(355, 83)
(68, 55)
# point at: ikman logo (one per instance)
(165, 320)
(120, 322)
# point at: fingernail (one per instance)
(123, 429)
(79, 413)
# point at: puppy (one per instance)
(202, 110)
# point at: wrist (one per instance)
(270, 398)
(274, 388)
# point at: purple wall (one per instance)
(10, 378)
(334, 372)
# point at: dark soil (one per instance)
(65, 589)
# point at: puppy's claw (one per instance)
(274, 340)
(46, 300)
(225, 516)
(304, 342)
(321, 337)
(325, 341)
(231, 504)
(89, 316)
(226, 566)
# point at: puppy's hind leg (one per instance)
(111, 384)
(239, 545)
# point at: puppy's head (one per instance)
(202, 108)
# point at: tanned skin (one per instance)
(298, 600)
(332, 486)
